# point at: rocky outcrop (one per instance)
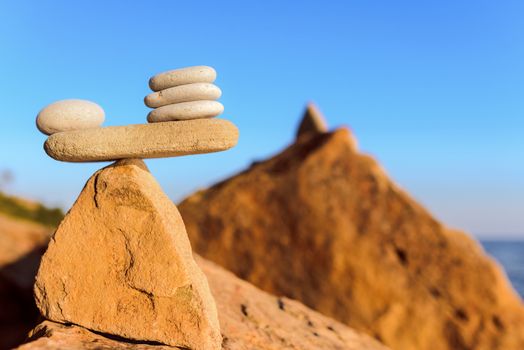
(249, 318)
(323, 224)
(247, 315)
(21, 245)
(313, 121)
(121, 263)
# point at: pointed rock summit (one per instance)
(324, 224)
(120, 263)
(313, 121)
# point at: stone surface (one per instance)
(157, 140)
(313, 122)
(250, 319)
(253, 319)
(21, 245)
(120, 263)
(323, 224)
(183, 93)
(67, 115)
(248, 316)
(182, 76)
(185, 110)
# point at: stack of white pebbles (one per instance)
(182, 94)
(184, 100)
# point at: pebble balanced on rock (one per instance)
(183, 94)
(184, 103)
(137, 278)
(68, 115)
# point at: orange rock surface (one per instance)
(120, 263)
(323, 224)
(249, 318)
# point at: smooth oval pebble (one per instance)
(183, 93)
(186, 110)
(182, 76)
(68, 115)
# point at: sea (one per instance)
(510, 254)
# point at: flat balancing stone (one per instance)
(158, 140)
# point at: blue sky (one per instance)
(433, 89)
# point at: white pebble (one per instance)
(67, 115)
(186, 110)
(183, 93)
(189, 75)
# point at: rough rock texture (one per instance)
(21, 245)
(275, 323)
(313, 122)
(157, 140)
(325, 225)
(121, 263)
(253, 319)
(250, 319)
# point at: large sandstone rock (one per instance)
(121, 263)
(248, 316)
(250, 319)
(324, 224)
(21, 245)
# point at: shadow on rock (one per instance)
(19, 313)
